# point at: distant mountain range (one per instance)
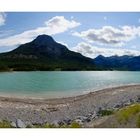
(125, 62)
(44, 53)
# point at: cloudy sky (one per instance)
(91, 34)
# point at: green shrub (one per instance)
(123, 115)
(47, 125)
(64, 126)
(5, 124)
(138, 122)
(105, 112)
(75, 125)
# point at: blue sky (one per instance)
(90, 33)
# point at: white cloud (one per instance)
(108, 35)
(55, 25)
(133, 47)
(93, 51)
(2, 18)
(6, 33)
(59, 24)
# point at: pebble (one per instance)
(13, 124)
(67, 121)
(82, 118)
(117, 106)
(78, 121)
(57, 123)
(20, 124)
(94, 115)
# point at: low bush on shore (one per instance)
(105, 112)
(47, 125)
(138, 121)
(126, 117)
(5, 124)
(126, 113)
(75, 125)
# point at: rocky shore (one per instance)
(22, 112)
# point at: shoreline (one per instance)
(69, 98)
(39, 111)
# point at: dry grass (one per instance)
(5, 124)
(126, 113)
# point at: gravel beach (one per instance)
(39, 111)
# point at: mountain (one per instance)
(125, 62)
(44, 53)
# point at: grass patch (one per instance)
(64, 126)
(45, 126)
(75, 125)
(5, 124)
(125, 114)
(138, 122)
(105, 112)
(72, 125)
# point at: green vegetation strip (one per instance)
(123, 115)
(72, 125)
(106, 112)
(5, 124)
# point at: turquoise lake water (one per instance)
(62, 84)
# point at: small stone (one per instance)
(131, 101)
(138, 99)
(94, 115)
(61, 123)
(89, 115)
(78, 121)
(88, 119)
(20, 124)
(83, 118)
(29, 124)
(56, 123)
(100, 109)
(117, 106)
(126, 104)
(13, 124)
(67, 121)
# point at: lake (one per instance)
(62, 84)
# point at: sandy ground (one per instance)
(49, 110)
